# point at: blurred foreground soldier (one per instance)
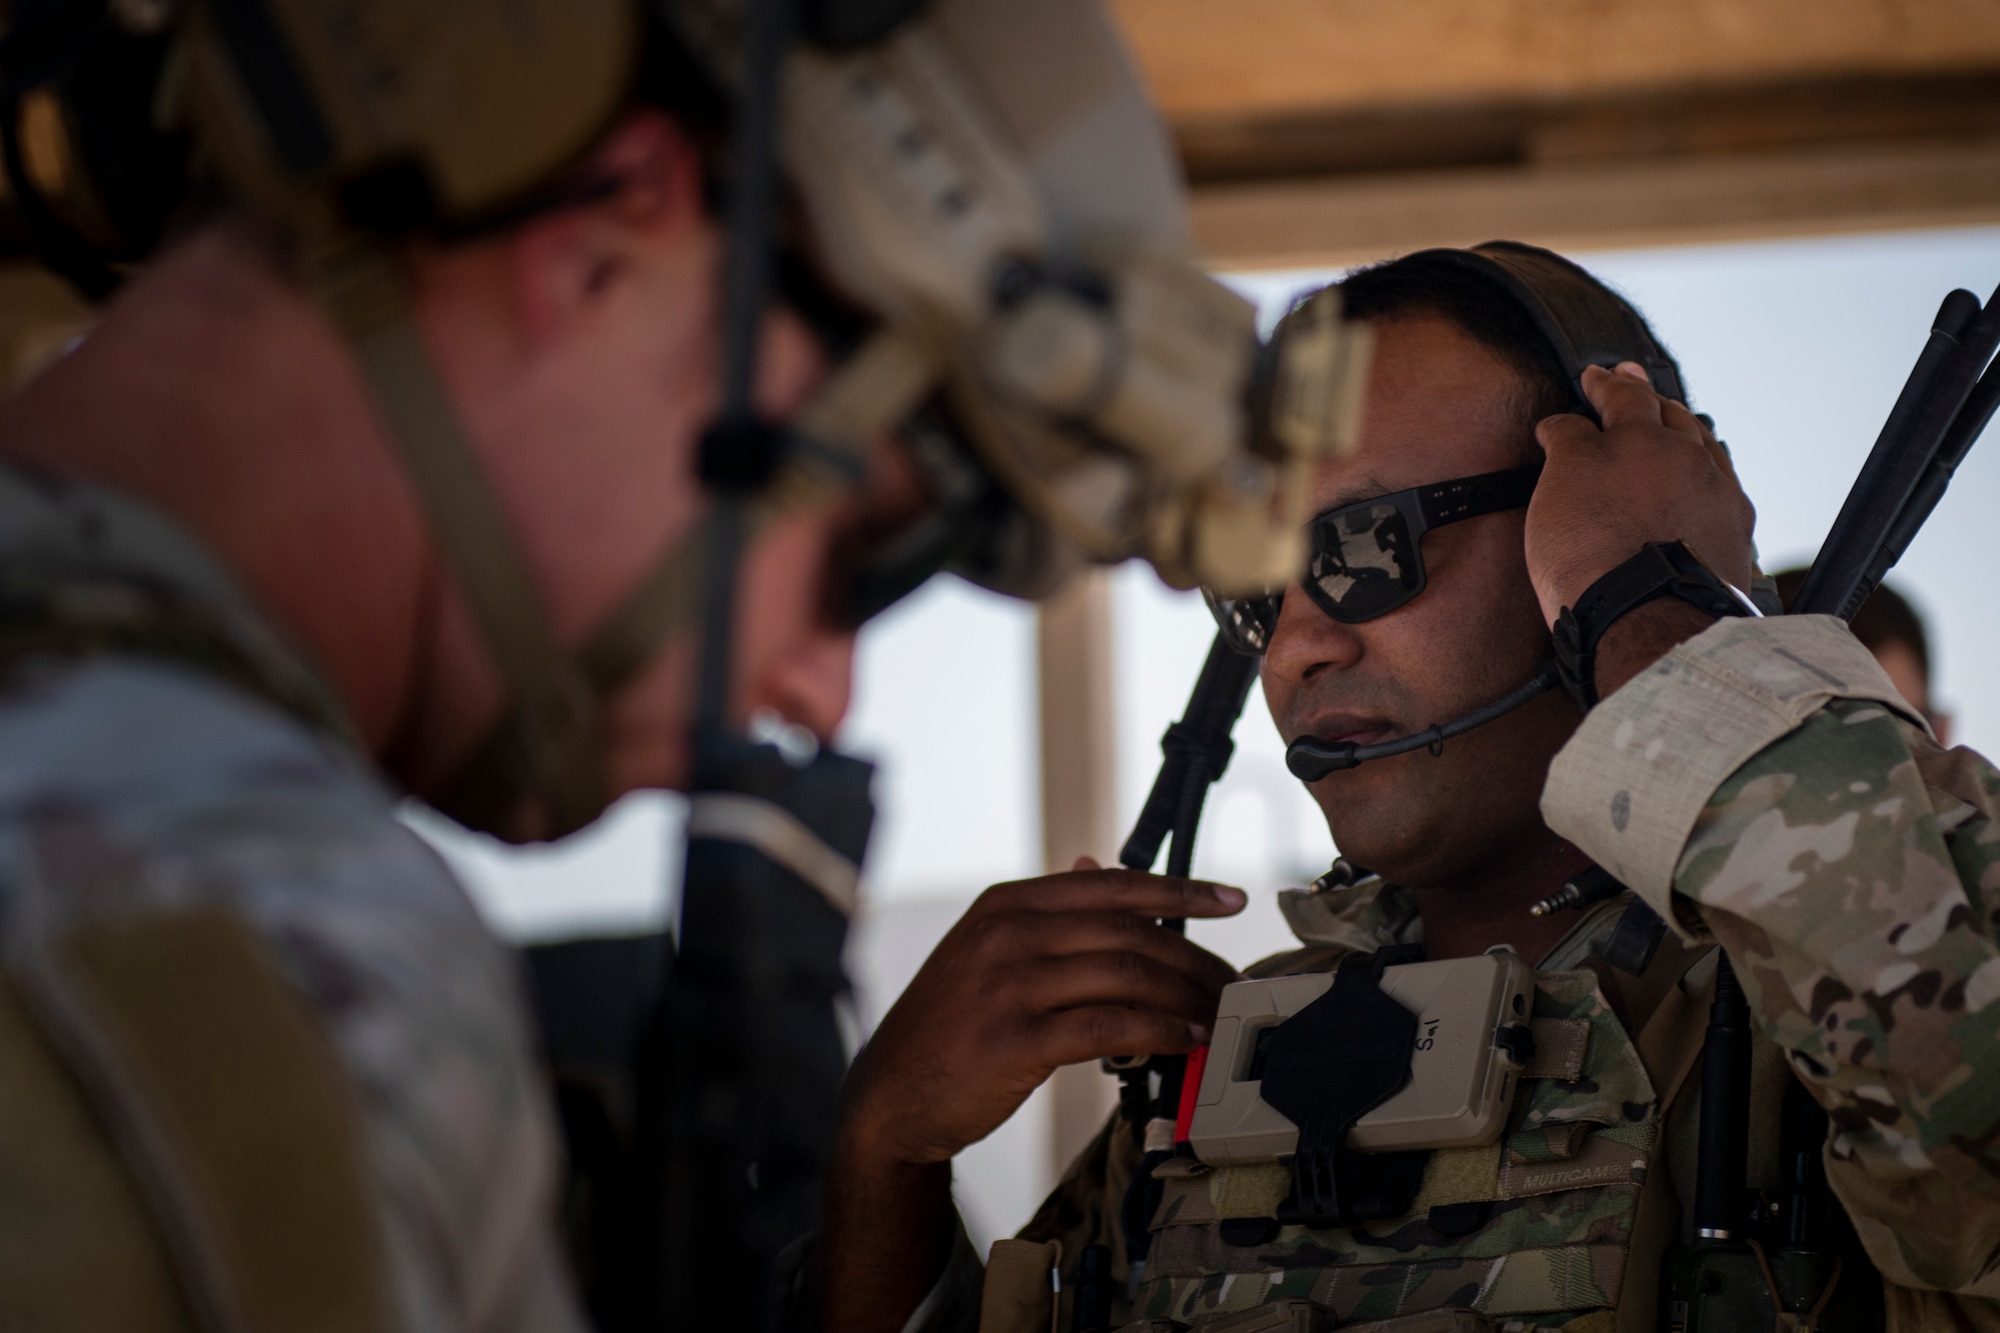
(386, 474)
(1844, 866)
(1892, 629)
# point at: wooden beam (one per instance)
(1319, 131)
(1641, 123)
(1591, 204)
(1247, 58)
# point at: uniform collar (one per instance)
(1373, 914)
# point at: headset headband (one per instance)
(1584, 321)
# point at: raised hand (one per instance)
(1652, 473)
(1037, 974)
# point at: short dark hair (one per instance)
(1423, 285)
(1426, 284)
(1885, 618)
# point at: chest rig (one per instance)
(1537, 1225)
(1536, 1230)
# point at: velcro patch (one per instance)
(1560, 1047)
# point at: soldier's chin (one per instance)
(1394, 827)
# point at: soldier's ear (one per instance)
(641, 207)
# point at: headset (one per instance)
(1584, 323)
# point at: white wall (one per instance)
(1796, 348)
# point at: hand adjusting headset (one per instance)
(1366, 558)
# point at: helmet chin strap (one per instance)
(557, 748)
(1311, 759)
(548, 745)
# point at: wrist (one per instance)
(876, 1138)
(1659, 571)
(1644, 636)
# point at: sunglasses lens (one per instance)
(1364, 563)
(1246, 622)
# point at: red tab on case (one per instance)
(1197, 1061)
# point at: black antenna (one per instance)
(1196, 751)
(1912, 461)
(1725, 1102)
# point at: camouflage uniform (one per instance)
(196, 889)
(1764, 786)
(1537, 1231)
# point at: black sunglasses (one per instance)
(1367, 558)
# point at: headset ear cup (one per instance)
(1584, 321)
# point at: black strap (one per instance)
(1660, 569)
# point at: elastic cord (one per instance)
(1311, 759)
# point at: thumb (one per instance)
(1086, 863)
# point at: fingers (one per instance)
(1115, 890)
(1076, 1035)
(1625, 398)
(1678, 418)
(1568, 430)
(1011, 939)
(1622, 397)
(1129, 979)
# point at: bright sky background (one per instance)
(1796, 348)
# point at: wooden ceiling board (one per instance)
(1209, 58)
(1336, 221)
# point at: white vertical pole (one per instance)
(1079, 801)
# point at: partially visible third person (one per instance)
(1890, 627)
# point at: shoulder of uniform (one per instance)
(216, 1079)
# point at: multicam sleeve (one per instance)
(1764, 786)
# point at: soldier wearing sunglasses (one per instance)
(1417, 608)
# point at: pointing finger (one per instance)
(1116, 890)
